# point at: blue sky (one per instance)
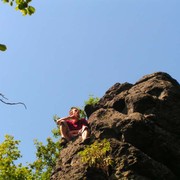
(70, 49)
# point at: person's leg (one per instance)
(64, 130)
(85, 133)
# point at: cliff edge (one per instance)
(141, 122)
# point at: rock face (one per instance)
(142, 123)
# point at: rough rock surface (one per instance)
(142, 123)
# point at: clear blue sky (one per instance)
(70, 49)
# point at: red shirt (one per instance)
(76, 125)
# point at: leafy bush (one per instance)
(92, 100)
(96, 156)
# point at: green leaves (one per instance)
(9, 153)
(46, 159)
(3, 47)
(22, 6)
(40, 169)
(95, 155)
(92, 100)
(31, 10)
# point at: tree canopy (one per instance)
(40, 169)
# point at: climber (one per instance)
(72, 126)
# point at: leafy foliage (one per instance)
(82, 113)
(92, 100)
(46, 156)
(21, 5)
(95, 155)
(8, 154)
(40, 169)
(46, 159)
(55, 131)
(3, 47)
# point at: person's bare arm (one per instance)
(64, 118)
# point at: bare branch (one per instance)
(3, 96)
(8, 103)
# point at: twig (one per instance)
(3, 96)
(10, 103)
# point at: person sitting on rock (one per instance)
(72, 126)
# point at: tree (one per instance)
(40, 169)
(46, 157)
(9, 153)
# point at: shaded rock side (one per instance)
(142, 123)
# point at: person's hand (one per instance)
(58, 121)
(71, 116)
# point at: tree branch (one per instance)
(8, 103)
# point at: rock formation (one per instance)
(142, 123)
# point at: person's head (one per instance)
(74, 112)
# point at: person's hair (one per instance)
(72, 109)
